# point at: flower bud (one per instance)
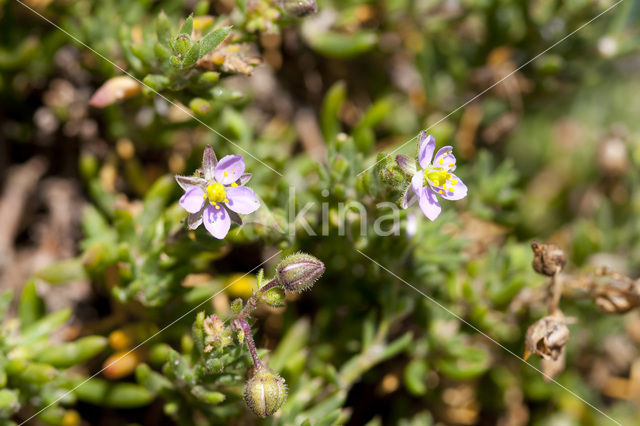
(182, 44)
(216, 334)
(406, 164)
(548, 259)
(115, 89)
(300, 8)
(299, 272)
(265, 392)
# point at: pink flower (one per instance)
(217, 195)
(435, 178)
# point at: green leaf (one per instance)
(117, 395)
(192, 55)
(163, 28)
(73, 353)
(338, 45)
(63, 272)
(187, 26)
(31, 307)
(45, 326)
(331, 105)
(5, 301)
(213, 39)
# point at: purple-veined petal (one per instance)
(445, 159)
(456, 189)
(244, 179)
(216, 220)
(229, 169)
(186, 182)
(417, 182)
(406, 164)
(194, 220)
(209, 162)
(242, 200)
(192, 200)
(409, 197)
(427, 146)
(429, 204)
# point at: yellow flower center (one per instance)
(437, 176)
(216, 194)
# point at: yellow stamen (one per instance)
(216, 193)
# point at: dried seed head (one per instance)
(547, 337)
(613, 301)
(548, 259)
(265, 392)
(299, 272)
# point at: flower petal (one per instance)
(187, 182)
(409, 197)
(406, 164)
(242, 200)
(209, 162)
(417, 182)
(445, 159)
(455, 191)
(229, 169)
(217, 221)
(427, 146)
(429, 204)
(192, 200)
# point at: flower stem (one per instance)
(252, 302)
(556, 291)
(250, 343)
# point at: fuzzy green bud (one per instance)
(182, 44)
(265, 392)
(299, 272)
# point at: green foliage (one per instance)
(319, 105)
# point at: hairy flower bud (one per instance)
(216, 334)
(265, 392)
(299, 272)
(300, 8)
(548, 259)
(115, 89)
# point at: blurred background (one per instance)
(91, 231)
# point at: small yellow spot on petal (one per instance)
(204, 196)
(454, 181)
(226, 200)
(217, 207)
(441, 191)
(441, 161)
(451, 165)
(226, 173)
(234, 184)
